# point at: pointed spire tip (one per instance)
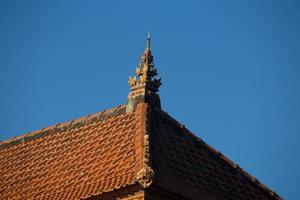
(148, 41)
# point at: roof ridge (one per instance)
(68, 125)
(224, 158)
(144, 173)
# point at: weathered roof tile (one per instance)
(104, 152)
(186, 165)
(72, 160)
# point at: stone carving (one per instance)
(144, 176)
(145, 83)
(132, 81)
(146, 73)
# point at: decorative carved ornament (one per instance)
(146, 73)
(144, 176)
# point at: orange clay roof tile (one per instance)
(186, 165)
(72, 160)
(104, 151)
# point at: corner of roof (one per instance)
(144, 171)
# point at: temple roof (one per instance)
(133, 144)
(112, 149)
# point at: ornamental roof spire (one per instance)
(145, 84)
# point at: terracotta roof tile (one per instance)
(72, 160)
(104, 151)
(186, 165)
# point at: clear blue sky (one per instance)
(230, 71)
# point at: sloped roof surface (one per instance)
(186, 165)
(104, 151)
(77, 159)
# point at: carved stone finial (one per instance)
(146, 73)
(145, 83)
(144, 176)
